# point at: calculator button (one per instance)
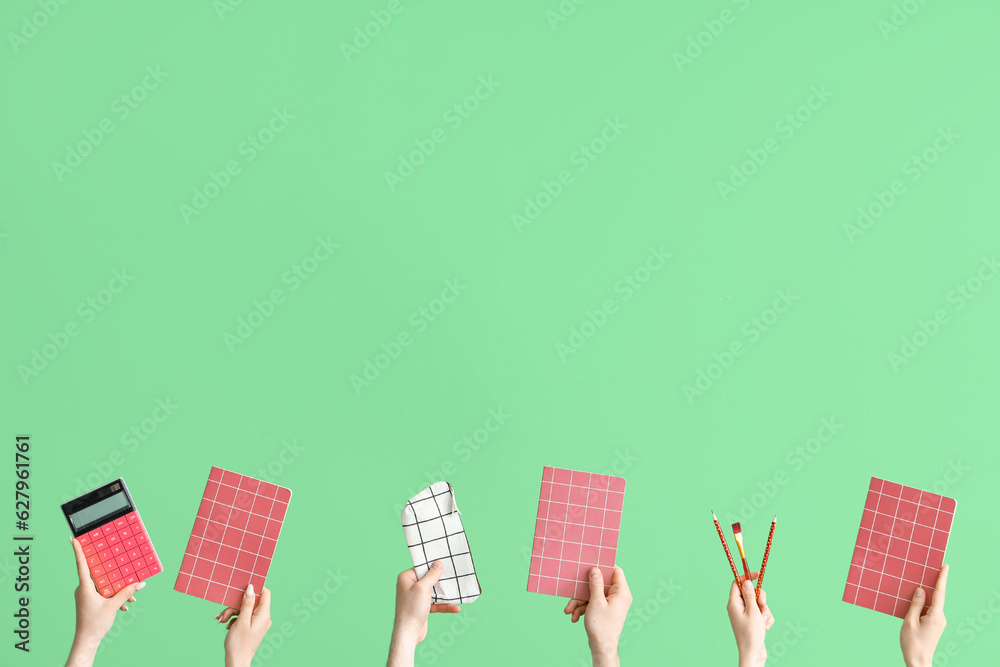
(122, 560)
(141, 537)
(126, 570)
(124, 533)
(120, 523)
(84, 540)
(143, 573)
(103, 581)
(113, 538)
(96, 534)
(98, 570)
(131, 579)
(101, 544)
(114, 575)
(118, 550)
(130, 544)
(134, 554)
(118, 585)
(107, 591)
(155, 568)
(94, 560)
(132, 517)
(146, 548)
(108, 529)
(106, 555)
(89, 550)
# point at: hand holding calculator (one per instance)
(113, 537)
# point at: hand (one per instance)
(750, 619)
(919, 636)
(414, 602)
(95, 614)
(605, 616)
(246, 631)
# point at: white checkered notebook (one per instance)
(433, 529)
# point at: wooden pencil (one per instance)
(726, 547)
(767, 550)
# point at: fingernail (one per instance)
(140, 585)
(919, 593)
(249, 589)
(747, 585)
(594, 573)
(436, 565)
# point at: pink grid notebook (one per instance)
(579, 515)
(901, 543)
(233, 538)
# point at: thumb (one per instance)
(246, 607)
(124, 594)
(916, 606)
(596, 581)
(82, 569)
(433, 574)
(749, 598)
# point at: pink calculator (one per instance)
(113, 538)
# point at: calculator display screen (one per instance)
(106, 507)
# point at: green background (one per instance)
(615, 403)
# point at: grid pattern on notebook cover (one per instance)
(579, 515)
(901, 544)
(119, 553)
(434, 531)
(233, 539)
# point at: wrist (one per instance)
(604, 654)
(83, 652)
